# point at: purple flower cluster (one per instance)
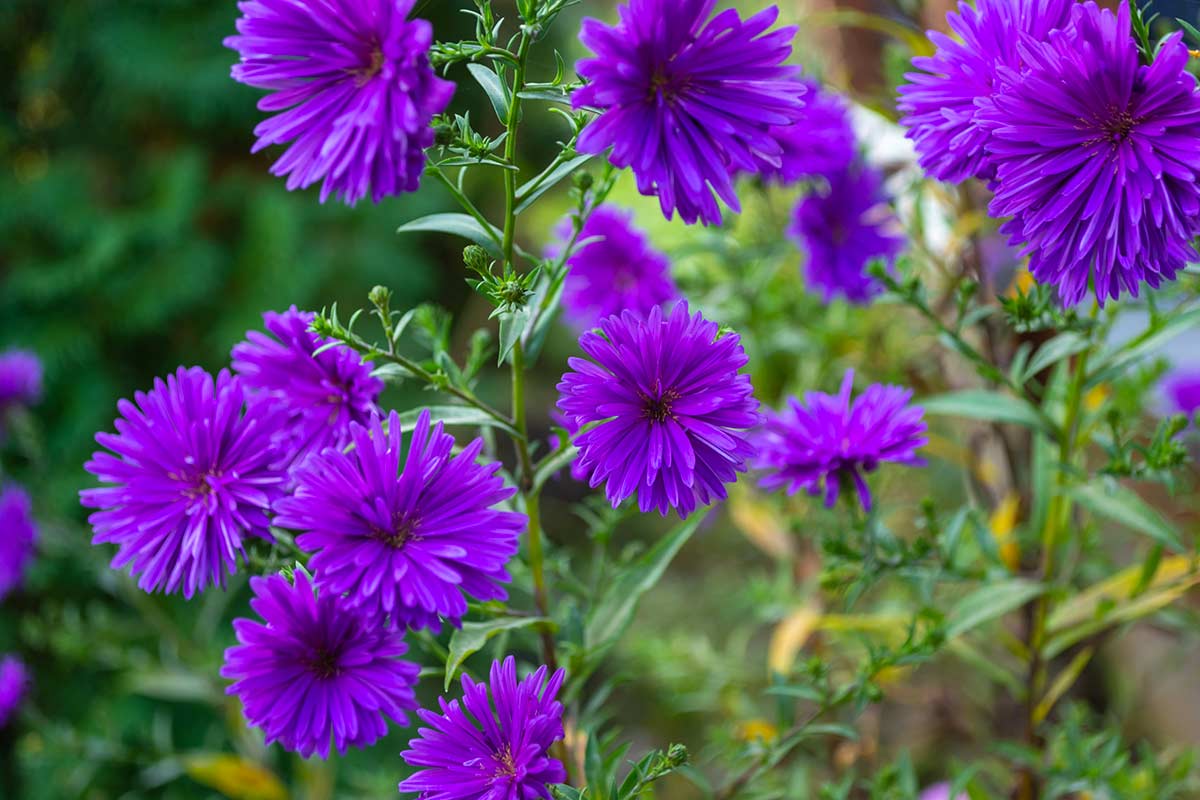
(1090, 152)
(18, 534)
(821, 143)
(14, 683)
(321, 393)
(673, 408)
(351, 87)
(843, 228)
(493, 744)
(1182, 390)
(314, 672)
(686, 101)
(941, 102)
(828, 440)
(194, 469)
(612, 269)
(405, 534)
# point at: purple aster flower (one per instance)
(825, 441)
(1096, 157)
(314, 671)
(321, 394)
(20, 379)
(405, 534)
(353, 87)
(194, 469)
(612, 269)
(686, 101)
(940, 791)
(821, 143)
(18, 532)
(14, 682)
(844, 228)
(940, 102)
(1182, 390)
(674, 412)
(494, 744)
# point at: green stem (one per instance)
(422, 374)
(465, 202)
(1057, 518)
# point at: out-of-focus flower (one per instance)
(940, 101)
(1182, 390)
(674, 412)
(686, 101)
(494, 744)
(14, 682)
(321, 394)
(612, 269)
(820, 143)
(18, 534)
(843, 229)
(316, 672)
(940, 791)
(405, 535)
(353, 89)
(193, 470)
(826, 440)
(1096, 158)
(20, 379)
(578, 472)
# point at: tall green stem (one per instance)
(1057, 518)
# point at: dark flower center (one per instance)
(1119, 125)
(200, 484)
(665, 85)
(373, 68)
(657, 408)
(324, 664)
(403, 530)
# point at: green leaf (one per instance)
(1062, 346)
(989, 602)
(463, 225)
(1133, 353)
(472, 636)
(1122, 505)
(512, 328)
(551, 464)
(496, 91)
(530, 192)
(455, 416)
(614, 610)
(987, 406)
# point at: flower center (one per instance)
(665, 86)
(373, 67)
(324, 664)
(1118, 126)
(658, 408)
(403, 530)
(506, 765)
(198, 486)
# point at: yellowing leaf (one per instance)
(1003, 523)
(757, 519)
(1095, 397)
(235, 777)
(759, 730)
(1087, 603)
(789, 636)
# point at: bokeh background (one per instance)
(138, 233)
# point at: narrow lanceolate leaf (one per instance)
(990, 602)
(463, 225)
(472, 636)
(614, 610)
(1122, 505)
(1062, 346)
(455, 416)
(530, 192)
(495, 89)
(987, 406)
